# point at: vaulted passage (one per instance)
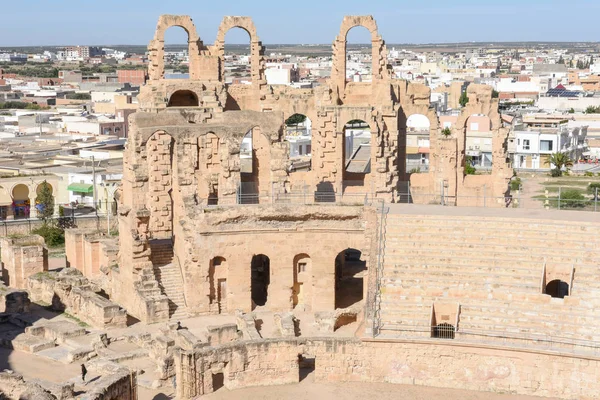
(260, 279)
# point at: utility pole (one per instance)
(94, 182)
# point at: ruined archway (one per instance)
(237, 58)
(350, 269)
(302, 288)
(183, 98)
(356, 156)
(260, 278)
(417, 143)
(156, 48)
(217, 276)
(298, 134)
(255, 171)
(358, 55)
(21, 203)
(478, 144)
(379, 68)
(209, 164)
(257, 67)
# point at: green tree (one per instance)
(464, 99)
(560, 161)
(572, 111)
(561, 60)
(469, 169)
(45, 203)
(295, 119)
(572, 198)
(495, 94)
(79, 96)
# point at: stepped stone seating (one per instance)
(495, 269)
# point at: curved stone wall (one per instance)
(445, 364)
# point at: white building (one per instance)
(534, 149)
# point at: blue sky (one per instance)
(64, 22)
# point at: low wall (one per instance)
(90, 251)
(25, 226)
(69, 291)
(21, 258)
(444, 364)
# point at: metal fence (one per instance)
(509, 338)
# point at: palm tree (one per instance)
(560, 160)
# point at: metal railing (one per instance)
(376, 306)
(510, 337)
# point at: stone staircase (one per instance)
(492, 268)
(168, 275)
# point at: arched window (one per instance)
(359, 55)
(301, 291)
(176, 56)
(237, 59)
(298, 134)
(557, 289)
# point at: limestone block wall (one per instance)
(233, 236)
(428, 363)
(71, 292)
(21, 258)
(88, 251)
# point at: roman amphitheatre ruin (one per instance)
(231, 272)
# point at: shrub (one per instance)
(53, 235)
(515, 184)
(415, 171)
(572, 198)
(555, 173)
(588, 173)
(594, 188)
(446, 132)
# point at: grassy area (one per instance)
(76, 320)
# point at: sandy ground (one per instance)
(309, 390)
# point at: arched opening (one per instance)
(21, 203)
(217, 275)
(350, 269)
(183, 98)
(298, 134)
(359, 55)
(417, 143)
(478, 144)
(237, 59)
(255, 172)
(302, 289)
(443, 331)
(357, 153)
(218, 381)
(260, 279)
(40, 187)
(176, 54)
(557, 289)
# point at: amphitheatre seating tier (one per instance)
(493, 268)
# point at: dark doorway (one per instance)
(260, 279)
(218, 381)
(557, 289)
(306, 366)
(349, 275)
(183, 98)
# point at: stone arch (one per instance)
(379, 52)
(357, 154)
(156, 48)
(478, 141)
(298, 135)
(183, 98)
(217, 276)
(302, 289)
(209, 167)
(350, 268)
(256, 181)
(418, 144)
(260, 279)
(257, 62)
(159, 197)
